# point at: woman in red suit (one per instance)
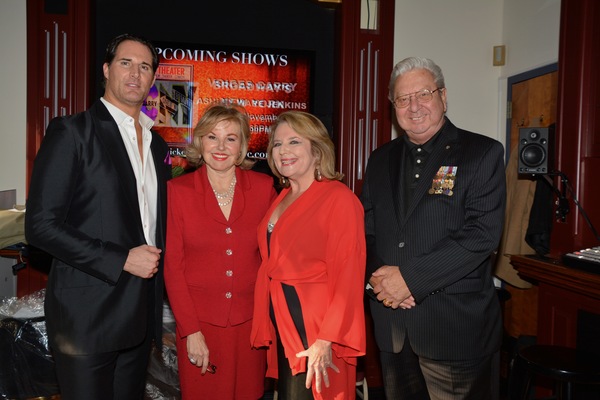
(309, 291)
(212, 260)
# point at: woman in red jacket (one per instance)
(309, 307)
(212, 259)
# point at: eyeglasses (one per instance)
(422, 96)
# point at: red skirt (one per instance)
(240, 369)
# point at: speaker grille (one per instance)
(534, 152)
(533, 155)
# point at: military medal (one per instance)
(443, 182)
(450, 177)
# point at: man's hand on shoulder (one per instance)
(143, 261)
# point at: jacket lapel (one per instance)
(396, 155)
(162, 165)
(239, 200)
(108, 134)
(205, 192)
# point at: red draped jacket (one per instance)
(317, 246)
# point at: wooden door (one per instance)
(533, 104)
(578, 125)
(363, 119)
(58, 72)
(533, 98)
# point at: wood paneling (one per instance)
(363, 120)
(533, 104)
(578, 121)
(58, 65)
(521, 312)
(563, 292)
(58, 70)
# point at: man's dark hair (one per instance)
(111, 49)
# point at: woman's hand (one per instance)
(198, 351)
(319, 359)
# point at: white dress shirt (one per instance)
(145, 174)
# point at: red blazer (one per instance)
(318, 246)
(211, 262)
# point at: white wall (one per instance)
(459, 36)
(531, 33)
(13, 106)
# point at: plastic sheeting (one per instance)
(27, 368)
(26, 365)
(162, 382)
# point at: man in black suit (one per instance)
(97, 204)
(434, 202)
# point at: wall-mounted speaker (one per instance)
(536, 150)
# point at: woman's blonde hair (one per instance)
(310, 127)
(214, 114)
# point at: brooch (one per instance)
(443, 182)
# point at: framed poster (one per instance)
(191, 77)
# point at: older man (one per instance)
(434, 203)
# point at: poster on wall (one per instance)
(191, 77)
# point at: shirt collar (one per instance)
(120, 116)
(428, 145)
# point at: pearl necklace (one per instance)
(224, 199)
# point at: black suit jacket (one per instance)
(442, 244)
(82, 209)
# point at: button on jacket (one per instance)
(211, 262)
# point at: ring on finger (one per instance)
(192, 361)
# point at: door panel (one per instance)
(533, 104)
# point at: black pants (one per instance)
(118, 375)
(291, 387)
(408, 376)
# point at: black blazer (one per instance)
(442, 244)
(82, 209)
